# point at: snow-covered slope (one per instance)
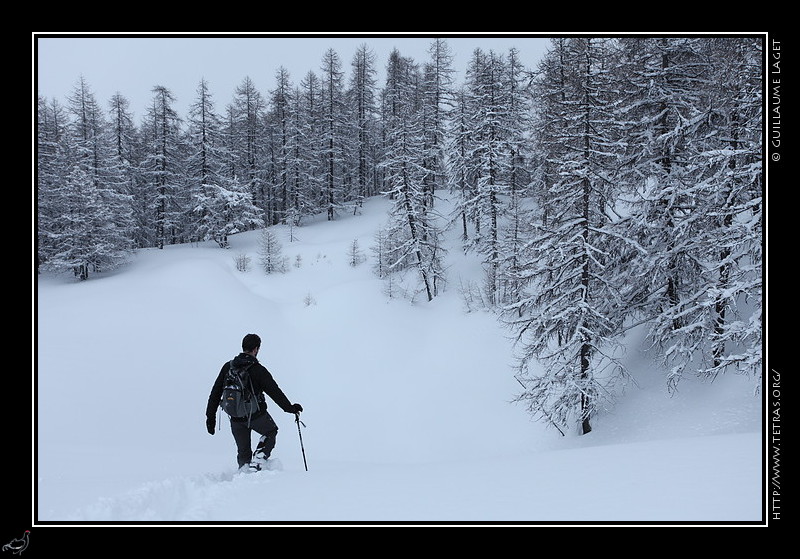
(407, 405)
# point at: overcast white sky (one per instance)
(132, 65)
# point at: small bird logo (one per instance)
(18, 545)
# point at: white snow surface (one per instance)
(408, 414)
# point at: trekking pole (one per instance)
(297, 420)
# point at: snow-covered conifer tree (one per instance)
(514, 235)
(461, 172)
(220, 205)
(247, 142)
(333, 132)
(162, 166)
(51, 171)
(489, 133)
(437, 83)
(571, 317)
(411, 227)
(84, 235)
(280, 120)
(270, 252)
(90, 230)
(734, 181)
(694, 179)
(124, 164)
(362, 95)
(309, 151)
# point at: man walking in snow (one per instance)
(260, 421)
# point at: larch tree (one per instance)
(734, 181)
(332, 130)
(517, 126)
(415, 238)
(437, 85)
(489, 119)
(270, 252)
(162, 166)
(221, 206)
(247, 142)
(665, 112)
(572, 316)
(698, 208)
(280, 118)
(461, 172)
(76, 231)
(51, 172)
(362, 100)
(92, 229)
(299, 166)
(549, 89)
(124, 166)
(693, 175)
(310, 145)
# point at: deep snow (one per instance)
(407, 405)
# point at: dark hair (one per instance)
(250, 342)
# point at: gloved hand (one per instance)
(297, 408)
(210, 424)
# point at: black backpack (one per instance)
(238, 397)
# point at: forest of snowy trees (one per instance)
(616, 185)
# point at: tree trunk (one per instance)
(725, 253)
(587, 189)
(585, 403)
(415, 236)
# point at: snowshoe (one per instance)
(250, 468)
(263, 463)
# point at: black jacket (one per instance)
(262, 383)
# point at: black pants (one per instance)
(264, 425)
